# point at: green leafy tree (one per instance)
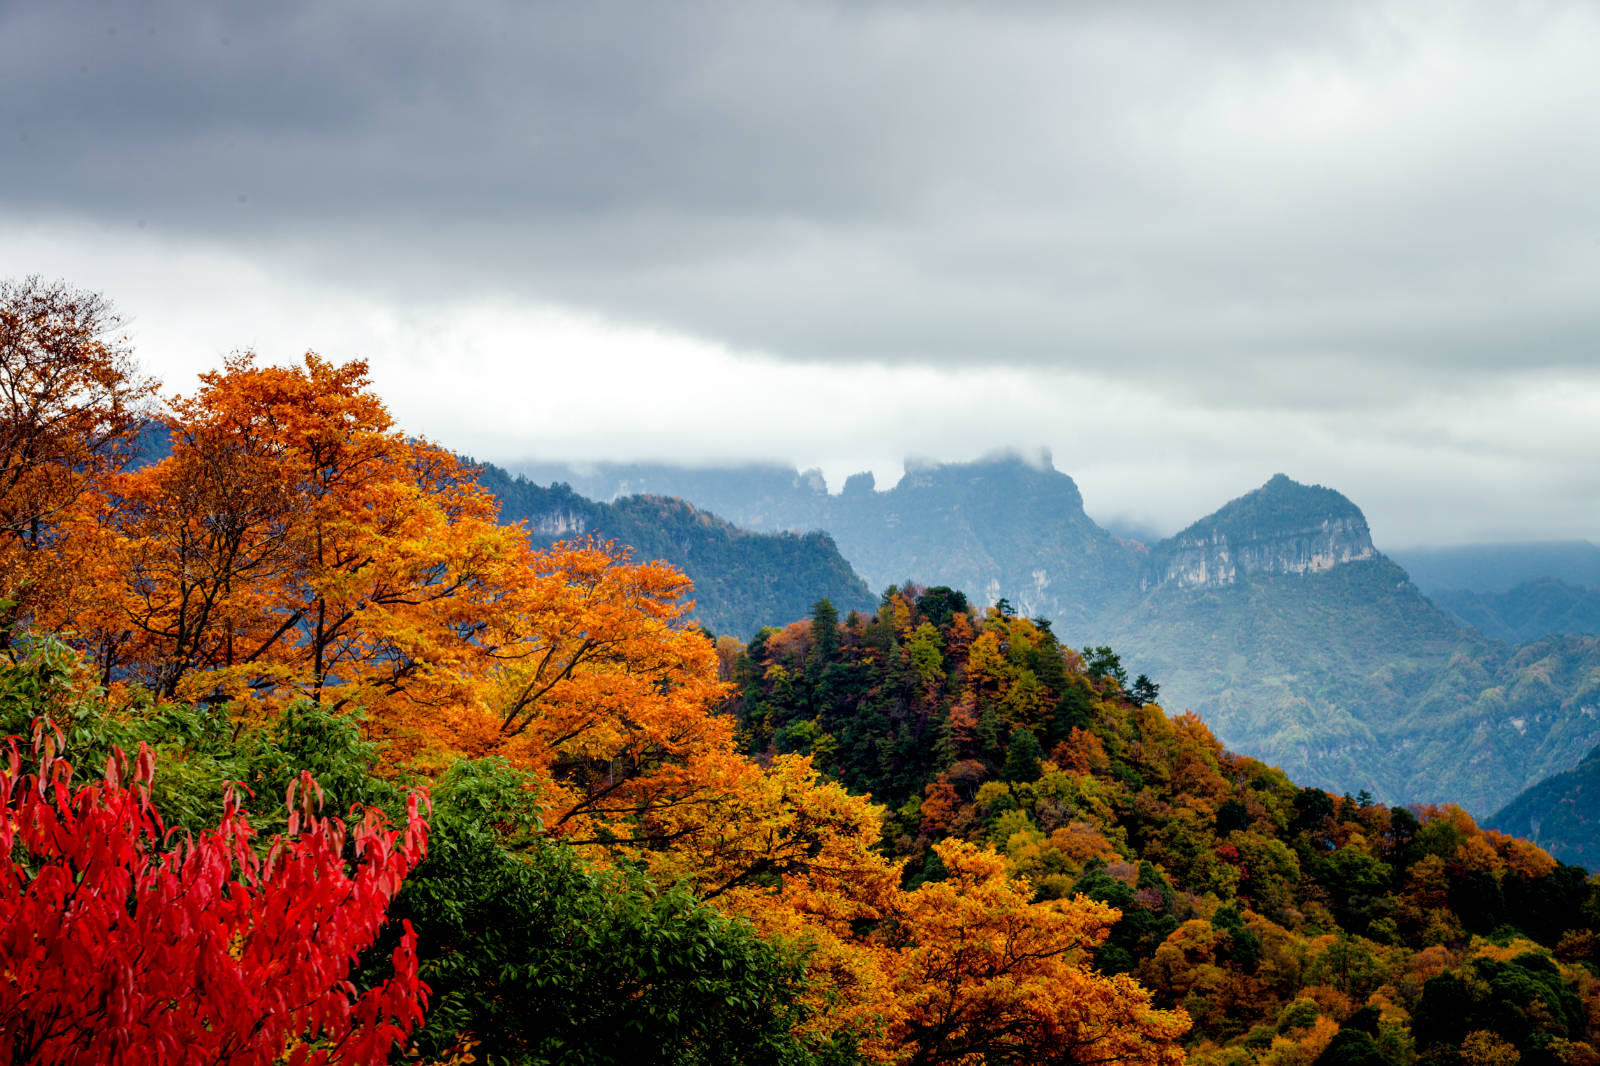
(939, 604)
(541, 958)
(1523, 1000)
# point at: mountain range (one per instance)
(1525, 612)
(1275, 618)
(742, 579)
(1000, 527)
(1512, 592)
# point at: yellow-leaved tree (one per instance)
(981, 973)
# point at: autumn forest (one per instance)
(310, 758)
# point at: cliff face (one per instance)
(1218, 560)
(1000, 527)
(561, 524)
(1283, 527)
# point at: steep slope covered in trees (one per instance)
(1561, 813)
(1293, 926)
(1278, 621)
(646, 845)
(742, 580)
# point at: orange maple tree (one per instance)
(598, 680)
(294, 544)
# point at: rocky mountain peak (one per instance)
(1284, 527)
(1005, 477)
(862, 484)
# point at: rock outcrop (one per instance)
(1283, 527)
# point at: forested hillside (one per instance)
(1560, 813)
(1290, 924)
(742, 580)
(443, 790)
(1352, 680)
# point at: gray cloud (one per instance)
(1242, 206)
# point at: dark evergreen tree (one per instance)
(1074, 709)
(1144, 691)
(989, 733)
(1352, 1047)
(1103, 663)
(1231, 816)
(940, 604)
(824, 632)
(1023, 756)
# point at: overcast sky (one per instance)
(1182, 245)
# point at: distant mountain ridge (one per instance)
(1530, 610)
(1004, 527)
(1561, 814)
(1494, 568)
(1278, 621)
(742, 580)
(1275, 617)
(768, 497)
(1513, 592)
(1000, 527)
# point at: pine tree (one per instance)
(1023, 756)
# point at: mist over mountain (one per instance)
(1530, 610)
(1513, 592)
(1000, 527)
(760, 496)
(1500, 567)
